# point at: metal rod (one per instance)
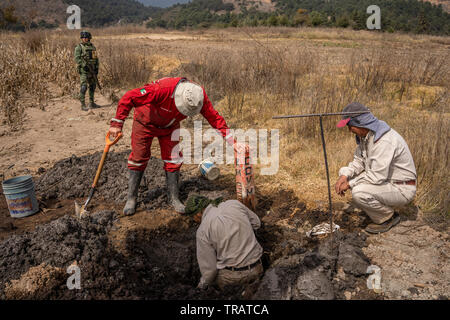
(320, 114)
(330, 208)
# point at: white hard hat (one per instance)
(189, 98)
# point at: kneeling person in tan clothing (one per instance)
(382, 175)
(227, 250)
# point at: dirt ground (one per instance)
(151, 255)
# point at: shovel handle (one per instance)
(109, 143)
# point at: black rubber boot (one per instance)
(172, 179)
(134, 181)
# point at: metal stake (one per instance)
(321, 115)
(328, 179)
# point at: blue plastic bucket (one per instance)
(20, 197)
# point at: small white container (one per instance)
(209, 170)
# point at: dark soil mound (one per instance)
(59, 244)
(72, 178)
(320, 274)
(159, 264)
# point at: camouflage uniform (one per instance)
(85, 55)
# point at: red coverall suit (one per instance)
(156, 115)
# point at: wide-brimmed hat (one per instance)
(189, 98)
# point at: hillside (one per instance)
(162, 3)
(399, 15)
(249, 5)
(51, 13)
(445, 4)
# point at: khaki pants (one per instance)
(228, 277)
(379, 201)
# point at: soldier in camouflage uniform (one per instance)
(87, 62)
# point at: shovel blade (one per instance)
(79, 210)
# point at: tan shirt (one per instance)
(387, 160)
(225, 238)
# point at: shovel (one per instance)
(80, 211)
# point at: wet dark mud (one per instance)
(157, 264)
(161, 263)
(72, 178)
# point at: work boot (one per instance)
(386, 226)
(172, 179)
(93, 105)
(82, 97)
(83, 106)
(134, 181)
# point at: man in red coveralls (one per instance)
(159, 108)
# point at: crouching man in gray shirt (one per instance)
(227, 250)
(382, 175)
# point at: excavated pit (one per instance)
(160, 263)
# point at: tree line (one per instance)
(396, 15)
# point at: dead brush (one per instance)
(234, 74)
(124, 67)
(369, 72)
(57, 61)
(13, 78)
(33, 40)
(428, 144)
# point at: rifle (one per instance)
(93, 74)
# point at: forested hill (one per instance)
(397, 15)
(21, 14)
(162, 3)
(107, 12)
